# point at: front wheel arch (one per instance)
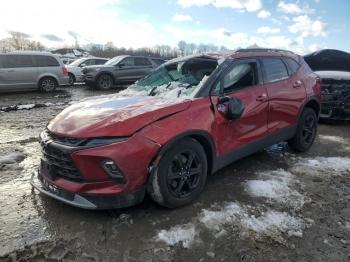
(158, 187)
(201, 137)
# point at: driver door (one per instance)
(239, 137)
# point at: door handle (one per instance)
(297, 84)
(11, 71)
(262, 97)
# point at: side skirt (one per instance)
(253, 147)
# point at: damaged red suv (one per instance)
(167, 132)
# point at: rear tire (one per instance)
(180, 176)
(104, 82)
(47, 84)
(306, 132)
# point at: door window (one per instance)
(240, 76)
(16, 61)
(100, 61)
(275, 69)
(129, 61)
(140, 61)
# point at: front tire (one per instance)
(180, 175)
(47, 84)
(306, 132)
(104, 82)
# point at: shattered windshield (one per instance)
(182, 78)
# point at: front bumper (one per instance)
(335, 111)
(86, 201)
(73, 174)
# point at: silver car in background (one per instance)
(74, 68)
(30, 70)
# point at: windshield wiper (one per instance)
(151, 93)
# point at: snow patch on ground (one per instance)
(271, 223)
(323, 165)
(336, 139)
(228, 214)
(11, 158)
(184, 234)
(276, 185)
(26, 107)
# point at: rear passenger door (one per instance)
(144, 66)
(286, 94)
(125, 70)
(20, 72)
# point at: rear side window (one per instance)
(275, 69)
(293, 66)
(2, 61)
(158, 61)
(45, 61)
(240, 76)
(16, 61)
(129, 61)
(140, 61)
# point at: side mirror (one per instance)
(233, 107)
(121, 65)
(83, 65)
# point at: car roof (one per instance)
(240, 53)
(30, 53)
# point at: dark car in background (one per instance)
(75, 68)
(120, 70)
(333, 68)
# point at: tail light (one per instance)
(65, 70)
(318, 85)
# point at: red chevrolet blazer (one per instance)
(187, 119)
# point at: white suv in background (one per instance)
(74, 69)
(31, 70)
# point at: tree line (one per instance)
(21, 41)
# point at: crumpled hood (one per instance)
(113, 115)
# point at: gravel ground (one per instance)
(283, 207)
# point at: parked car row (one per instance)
(29, 70)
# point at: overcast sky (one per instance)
(299, 25)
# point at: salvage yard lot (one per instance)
(273, 206)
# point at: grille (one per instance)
(69, 141)
(61, 163)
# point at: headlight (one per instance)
(93, 142)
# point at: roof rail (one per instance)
(262, 50)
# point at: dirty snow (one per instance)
(228, 214)
(273, 223)
(323, 165)
(11, 158)
(270, 223)
(27, 107)
(336, 139)
(184, 234)
(276, 185)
